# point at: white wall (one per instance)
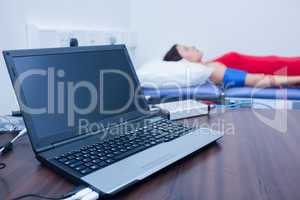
(14, 14)
(216, 26)
(250, 26)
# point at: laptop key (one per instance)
(79, 158)
(94, 167)
(85, 171)
(128, 153)
(93, 157)
(62, 160)
(71, 157)
(78, 154)
(88, 164)
(75, 164)
(86, 160)
(102, 157)
(96, 161)
(102, 164)
(109, 161)
(79, 168)
(70, 162)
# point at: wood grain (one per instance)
(252, 161)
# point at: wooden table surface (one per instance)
(252, 161)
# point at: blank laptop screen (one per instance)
(69, 91)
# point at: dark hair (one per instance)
(173, 54)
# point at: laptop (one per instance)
(88, 120)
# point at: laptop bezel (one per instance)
(39, 144)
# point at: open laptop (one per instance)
(88, 120)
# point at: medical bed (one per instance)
(206, 91)
(266, 93)
(212, 92)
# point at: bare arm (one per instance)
(261, 80)
(219, 71)
(253, 80)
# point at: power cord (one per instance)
(9, 146)
(78, 194)
(2, 165)
(234, 106)
(38, 196)
(82, 194)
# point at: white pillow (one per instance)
(163, 74)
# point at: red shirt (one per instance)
(289, 66)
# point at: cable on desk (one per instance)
(82, 194)
(9, 146)
(42, 197)
(2, 165)
(237, 105)
(46, 197)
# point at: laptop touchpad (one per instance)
(158, 161)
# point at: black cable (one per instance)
(234, 106)
(9, 146)
(36, 196)
(42, 197)
(6, 148)
(69, 194)
(2, 165)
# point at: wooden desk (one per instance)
(256, 162)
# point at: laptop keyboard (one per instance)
(96, 156)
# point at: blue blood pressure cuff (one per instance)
(234, 78)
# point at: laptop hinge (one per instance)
(54, 145)
(43, 149)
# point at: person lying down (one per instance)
(183, 66)
(238, 75)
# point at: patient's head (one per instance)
(179, 52)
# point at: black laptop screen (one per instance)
(67, 94)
